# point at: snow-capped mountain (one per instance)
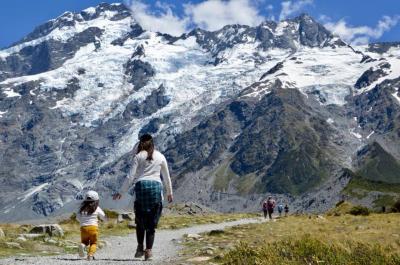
(284, 108)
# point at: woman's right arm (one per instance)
(128, 180)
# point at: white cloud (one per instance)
(290, 8)
(209, 15)
(361, 34)
(164, 21)
(214, 14)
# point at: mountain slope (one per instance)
(240, 112)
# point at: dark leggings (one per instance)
(146, 223)
(141, 232)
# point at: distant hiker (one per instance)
(270, 206)
(88, 214)
(286, 210)
(265, 208)
(280, 210)
(145, 173)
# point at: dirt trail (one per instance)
(122, 248)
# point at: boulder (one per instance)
(199, 259)
(71, 248)
(52, 241)
(13, 245)
(21, 239)
(194, 236)
(127, 216)
(216, 232)
(50, 229)
(132, 224)
(119, 219)
(32, 236)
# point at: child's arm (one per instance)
(101, 214)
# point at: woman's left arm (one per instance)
(166, 179)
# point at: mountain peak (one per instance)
(115, 11)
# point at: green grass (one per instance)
(359, 187)
(379, 165)
(310, 251)
(384, 200)
(223, 175)
(245, 184)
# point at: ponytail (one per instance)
(146, 143)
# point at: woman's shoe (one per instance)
(147, 254)
(139, 252)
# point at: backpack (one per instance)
(271, 204)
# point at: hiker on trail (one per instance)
(286, 209)
(280, 210)
(265, 208)
(270, 206)
(145, 173)
(88, 214)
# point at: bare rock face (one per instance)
(283, 108)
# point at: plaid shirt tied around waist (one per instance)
(148, 194)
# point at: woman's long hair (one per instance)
(146, 143)
(88, 207)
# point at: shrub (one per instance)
(396, 207)
(111, 214)
(359, 210)
(71, 220)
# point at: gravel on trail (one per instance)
(121, 249)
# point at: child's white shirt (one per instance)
(91, 219)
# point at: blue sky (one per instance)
(357, 21)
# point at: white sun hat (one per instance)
(91, 195)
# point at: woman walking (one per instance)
(145, 173)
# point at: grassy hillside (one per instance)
(359, 187)
(379, 165)
(334, 240)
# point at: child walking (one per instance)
(88, 214)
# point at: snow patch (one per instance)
(27, 194)
(330, 121)
(355, 134)
(10, 93)
(2, 113)
(60, 103)
(396, 96)
(65, 33)
(369, 135)
(90, 10)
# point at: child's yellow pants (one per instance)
(89, 236)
